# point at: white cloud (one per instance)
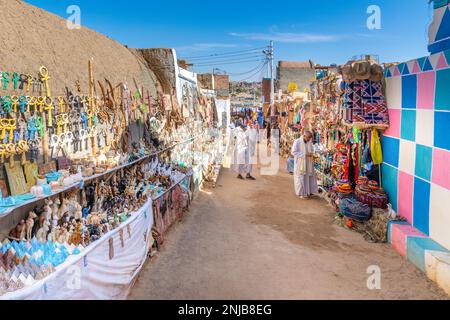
(289, 37)
(205, 46)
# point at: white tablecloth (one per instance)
(92, 274)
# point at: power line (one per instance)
(257, 72)
(236, 62)
(246, 72)
(228, 60)
(225, 53)
(261, 52)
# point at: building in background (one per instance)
(299, 72)
(220, 85)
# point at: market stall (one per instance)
(82, 175)
(350, 116)
(104, 270)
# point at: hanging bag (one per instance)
(375, 148)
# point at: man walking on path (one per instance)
(304, 176)
(241, 157)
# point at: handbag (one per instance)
(300, 166)
(375, 148)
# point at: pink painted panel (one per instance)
(426, 87)
(441, 168)
(394, 123)
(416, 68)
(399, 235)
(405, 195)
(442, 62)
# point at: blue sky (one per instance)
(326, 31)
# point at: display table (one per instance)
(103, 270)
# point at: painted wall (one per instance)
(416, 147)
(439, 30)
(185, 79)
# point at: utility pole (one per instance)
(272, 80)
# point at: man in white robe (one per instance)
(305, 181)
(241, 158)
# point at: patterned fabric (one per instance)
(364, 102)
(372, 91)
(376, 113)
(353, 102)
(353, 209)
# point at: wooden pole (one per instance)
(93, 102)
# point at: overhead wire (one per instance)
(234, 56)
(224, 54)
(260, 70)
(227, 60)
(246, 72)
(227, 63)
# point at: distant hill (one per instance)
(31, 37)
(245, 93)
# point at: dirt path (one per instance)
(257, 240)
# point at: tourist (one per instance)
(304, 176)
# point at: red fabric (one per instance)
(347, 163)
(357, 161)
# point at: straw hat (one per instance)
(376, 73)
(361, 70)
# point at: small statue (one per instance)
(93, 219)
(53, 236)
(46, 215)
(62, 235)
(64, 220)
(63, 208)
(54, 220)
(41, 234)
(74, 208)
(19, 231)
(29, 224)
(55, 207)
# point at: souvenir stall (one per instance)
(81, 173)
(350, 116)
(294, 116)
(291, 111)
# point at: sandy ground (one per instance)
(257, 240)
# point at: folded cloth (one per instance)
(354, 209)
